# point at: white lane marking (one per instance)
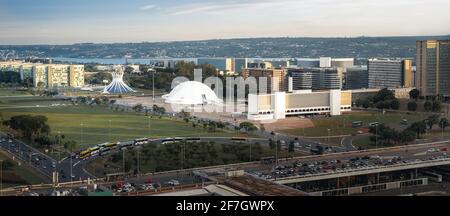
(76, 163)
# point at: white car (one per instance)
(173, 182)
(431, 150)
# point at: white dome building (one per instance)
(192, 93)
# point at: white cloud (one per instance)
(228, 6)
(148, 7)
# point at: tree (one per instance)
(248, 126)
(443, 123)
(419, 128)
(29, 126)
(437, 106)
(395, 104)
(414, 94)
(432, 120)
(407, 136)
(365, 104)
(383, 95)
(7, 165)
(70, 145)
(320, 150)
(379, 105)
(427, 106)
(291, 146)
(412, 106)
(97, 101)
(271, 144)
(138, 108)
(40, 87)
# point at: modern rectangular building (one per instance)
(275, 78)
(313, 78)
(326, 78)
(298, 79)
(223, 64)
(356, 77)
(390, 73)
(279, 105)
(47, 75)
(240, 64)
(433, 67)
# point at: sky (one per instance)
(108, 21)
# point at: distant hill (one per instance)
(286, 47)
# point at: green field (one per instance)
(91, 125)
(342, 125)
(12, 92)
(19, 175)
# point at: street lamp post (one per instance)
(1, 177)
(59, 144)
(109, 131)
(153, 87)
(376, 136)
(123, 161)
(137, 149)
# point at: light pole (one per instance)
(153, 87)
(59, 144)
(109, 131)
(328, 142)
(1, 177)
(123, 161)
(376, 136)
(137, 152)
(148, 117)
(276, 150)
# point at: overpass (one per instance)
(363, 171)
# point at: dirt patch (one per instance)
(289, 123)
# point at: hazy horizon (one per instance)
(58, 22)
(429, 37)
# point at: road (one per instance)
(41, 162)
(346, 142)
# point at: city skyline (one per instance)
(61, 22)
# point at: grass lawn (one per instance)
(91, 125)
(12, 92)
(342, 125)
(19, 174)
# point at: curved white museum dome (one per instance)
(192, 93)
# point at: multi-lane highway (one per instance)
(41, 162)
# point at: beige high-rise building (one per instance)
(433, 67)
(273, 85)
(47, 75)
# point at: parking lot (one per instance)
(298, 168)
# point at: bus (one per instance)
(104, 151)
(141, 141)
(268, 160)
(357, 124)
(95, 148)
(85, 154)
(111, 145)
(171, 140)
(126, 144)
(373, 124)
(193, 139)
(240, 139)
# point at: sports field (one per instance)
(92, 125)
